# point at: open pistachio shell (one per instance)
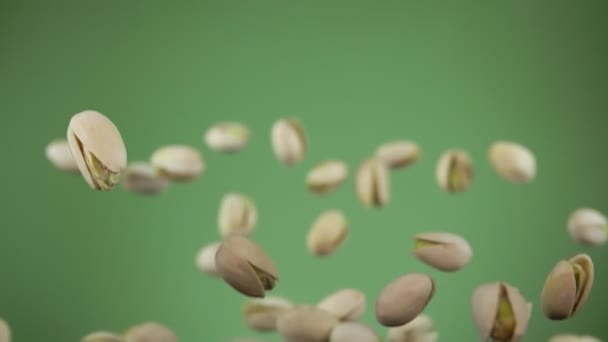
(398, 154)
(327, 233)
(227, 137)
(588, 227)
(306, 324)
(58, 152)
(289, 142)
(178, 163)
(150, 332)
(345, 304)
(326, 176)
(5, 331)
(445, 251)
(205, 259)
(372, 183)
(261, 314)
(454, 171)
(353, 332)
(404, 299)
(102, 336)
(237, 215)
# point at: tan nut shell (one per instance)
(102, 336)
(58, 152)
(448, 253)
(5, 331)
(404, 299)
(327, 233)
(306, 324)
(261, 314)
(227, 137)
(237, 215)
(205, 259)
(150, 332)
(398, 154)
(142, 178)
(288, 140)
(512, 161)
(346, 304)
(372, 183)
(179, 163)
(420, 329)
(462, 162)
(326, 176)
(573, 338)
(588, 227)
(353, 332)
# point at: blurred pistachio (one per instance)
(289, 142)
(353, 332)
(574, 338)
(327, 233)
(237, 215)
(178, 163)
(150, 332)
(5, 331)
(372, 183)
(588, 227)
(245, 266)
(326, 176)
(420, 329)
(205, 259)
(261, 314)
(512, 161)
(398, 154)
(142, 178)
(567, 287)
(345, 305)
(444, 251)
(227, 136)
(306, 324)
(102, 336)
(454, 171)
(97, 148)
(58, 152)
(404, 299)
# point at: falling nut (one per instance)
(327, 233)
(143, 179)
(205, 259)
(404, 299)
(445, 251)
(150, 332)
(245, 266)
(306, 324)
(102, 336)
(58, 152)
(454, 171)
(500, 312)
(237, 215)
(5, 331)
(289, 142)
(346, 304)
(574, 338)
(326, 176)
(588, 227)
(567, 287)
(420, 329)
(227, 137)
(512, 161)
(261, 314)
(353, 332)
(98, 149)
(372, 183)
(398, 154)
(178, 163)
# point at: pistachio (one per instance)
(102, 336)
(289, 142)
(353, 332)
(326, 176)
(237, 215)
(404, 299)
(327, 233)
(398, 154)
(500, 312)
(141, 178)
(512, 161)
(97, 148)
(420, 329)
(227, 136)
(445, 251)
(245, 266)
(567, 287)
(306, 324)
(588, 227)
(5, 331)
(178, 163)
(205, 259)
(372, 183)
(346, 304)
(261, 314)
(573, 338)
(150, 332)
(454, 171)
(58, 152)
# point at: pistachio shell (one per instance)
(150, 332)
(205, 259)
(262, 314)
(454, 172)
(444, 251)
(102, 336)
(288, 141)
(227, 136)
(346, 304)
(353, 332)
(512, 161)
(306, 324)
(372, 183)
(420, 329)
(573, 338)
(237, 215)
(398, 154)
(404, 299)
(5, 331)
(327, 233)
(179, 163)
(326, 176)
(588, 227)
(141, 178)
(58, 152)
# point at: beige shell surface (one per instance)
(150, 332)
(484, 305)
(306, 323)
(448, 252)
(558, 296)
(327, 233)
(404, 299)
(346, 304)
(586, 263)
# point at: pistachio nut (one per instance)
(500, 312)
(178, 163)
(327, 233)
(353, 332)
(227, 136)
(205, 259)
(237, 215)
(150, 332)
(454, 171)
(512, 161)
(289, 142)
(573, 338)
(143, 179)
(102, 336)
(588, 227)
(5, 331)
(261, 314)
(404, 299)
(421, 329)
(306, 323)
(326, 176)
(372, 183)
(567, 287)
(58, 152)
(445, 251)
(398, 154)
(97, 148)
(245, 266)
(346, 304)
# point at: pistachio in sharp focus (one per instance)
(227, 136)
(178, 163)
(326, 176)
(102, 336)
(588, 227)
(261, 314)
(245, 266)
(444, 251)
(237, 215)
(372, 183)
(327, 233)
(143, 179)
(150, 332)
(398, 154)
(289, 142)
(574, 338)
(454, 171)
(421, 329)
(353, 332)
(97, 148)
(567, 287)
(500, 312)
(205, 259)
(404, 299)
(58, 152)
(306, 324)
(346, 304)
(512, 161)
(5, 331)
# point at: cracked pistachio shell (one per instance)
(512, 161)
(398, 154)
(245, 266)
(420, 329)
(58, 152)
(326, 176)
(500, 312)
(97, 148)
(345, 304)
(574, 338)
(5, 331)
(454, 171)
(567, 287)
(261, 314)
(444, 251)
(102, 336)
(588, 227)
(205, 259)
(142, 178)
(327, 233)
(404, 299)
(289, 142)
(227, 136)
(372, 183)
(178, 163)
(237, 215)
(353, 332)
(150, 332)
(306, 323)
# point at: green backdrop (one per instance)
(357, 74)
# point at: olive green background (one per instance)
(442, 73)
